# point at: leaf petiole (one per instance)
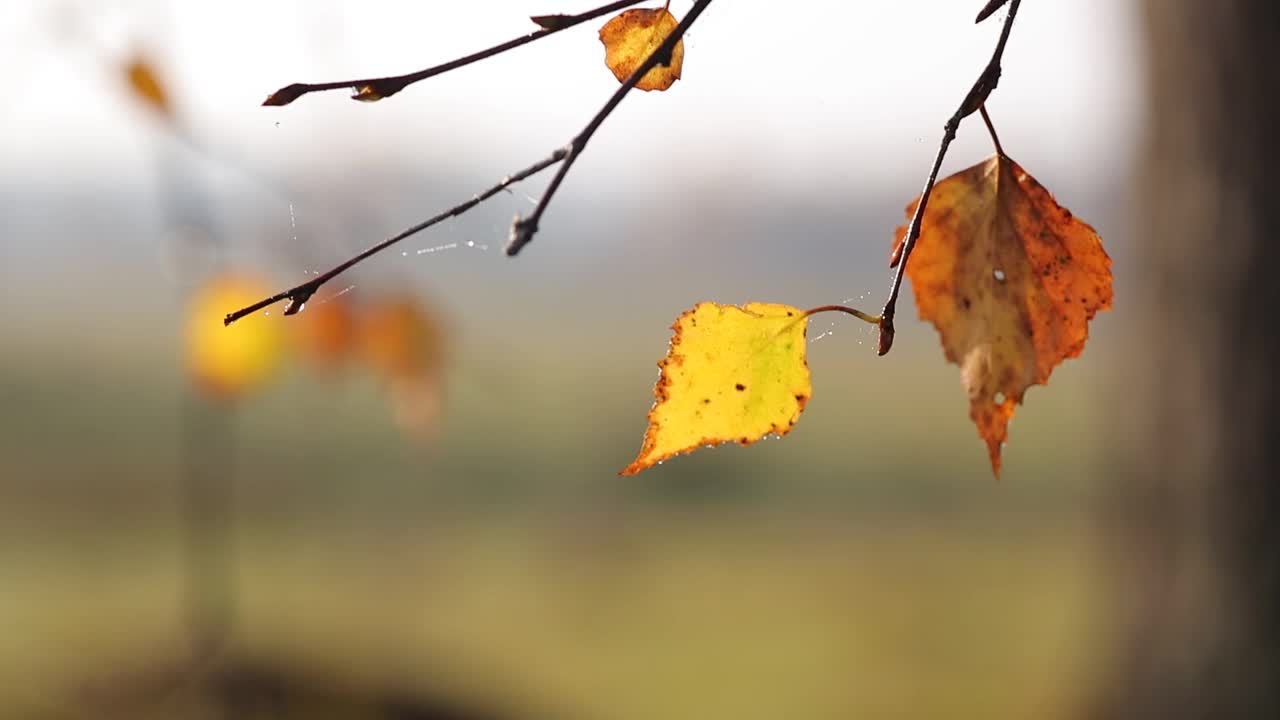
(864, 317)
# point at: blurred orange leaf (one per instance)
(398, 338)
(631, 37)
(1010, 279)
(417, 404)
(324, 333)
(227, 362)
(145, 83)
(732, 374)
(404, 342)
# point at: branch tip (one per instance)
(989, 9)
(886, 336)
(285, 95)
(522, 232)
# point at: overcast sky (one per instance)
(815, 93)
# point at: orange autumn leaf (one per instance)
(632, 36)
(1010, 279)
(145, 83)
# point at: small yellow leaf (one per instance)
(631, 37)
(146, 85)
(732, 375)
(227, 361)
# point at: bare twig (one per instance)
(973, 102)
(298, 296)
(523, 229)
(382, 87)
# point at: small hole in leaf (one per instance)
(999, 275)
(999, 398)
(740, 387)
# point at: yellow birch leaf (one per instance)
(631, 37)
(225, 362)
(733, 374)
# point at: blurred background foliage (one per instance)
(417, 509)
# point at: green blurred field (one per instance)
(867, 565)
(638, 617)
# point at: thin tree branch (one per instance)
(973, 102)
(298, 296)
(523, 229)
(370, 89)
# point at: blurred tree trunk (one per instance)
(1201, 555)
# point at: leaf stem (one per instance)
(973, 102)
(381, 87)
(872, 319)
(523, 229)
(991, 128)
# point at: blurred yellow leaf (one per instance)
(146, 85)
(731, 374)
(631, 37)
(227, 361)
